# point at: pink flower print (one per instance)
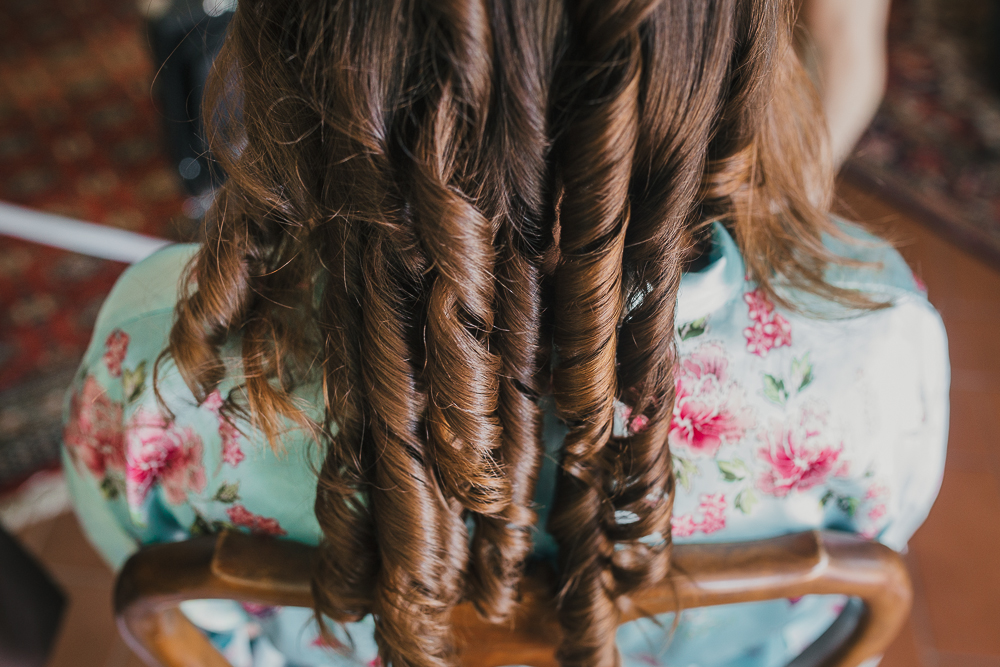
(708, 359)
(877, 512)
(769, 329)
(757, 341)
(760, 306)
(921, 285)
(232, 453)
(639, 424)
(115, 348)
(780, 328)
(261, 525)
(375, 662)
(709, 409)
(213, 402)
(633, 425)
(713, 509)
(713, 517)
(683, 525)
(94, 433)
(876, 491)
(160, 452)
(763, 336)
(799, 458)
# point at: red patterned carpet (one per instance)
(934, 147)
(79, 136)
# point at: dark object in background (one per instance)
(31, 607)
(994, 57)
(975, 27)
(185, 36)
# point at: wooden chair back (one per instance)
(261, 570)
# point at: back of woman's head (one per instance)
(438, 211)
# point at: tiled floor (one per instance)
(954, 558)
(89, 637)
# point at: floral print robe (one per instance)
(783, 422)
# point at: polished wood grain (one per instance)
(255, 569)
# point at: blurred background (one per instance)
(98, 122)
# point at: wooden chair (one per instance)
(235, 566)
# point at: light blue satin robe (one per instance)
(783, 422)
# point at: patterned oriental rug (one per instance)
(934, 147)
(79, 136)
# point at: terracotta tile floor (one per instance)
(88, 637)
(954, 558)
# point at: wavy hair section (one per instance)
(382, 196)
(438, 211)
(631, 167)
(595, 154)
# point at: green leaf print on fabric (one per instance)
(778, 392)
(133, 382)
(802, 372)
(228, 493)
(203, 526)
(745, 500)
(685, 470)
(733, 471)
(112, 486)
(846, 504)
(693, 329)
(774, 389)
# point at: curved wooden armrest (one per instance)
(266, 571)
(816, 562)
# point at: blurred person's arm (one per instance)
(849, 39)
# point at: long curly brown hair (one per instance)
(438, 211)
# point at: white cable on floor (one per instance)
(43, 496)
(85, 238)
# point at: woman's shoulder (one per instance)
(869, 265)
(147, 287)
(873, 264)
(133, 324)
(785, 420)
(146, 464)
